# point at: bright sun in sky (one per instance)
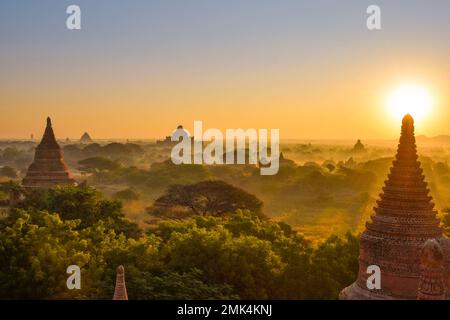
(412, 99)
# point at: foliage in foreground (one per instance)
(83, 203)
(238, 255)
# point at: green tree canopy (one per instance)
(211, 197)
(126, 195)
(83, 203)
(96, 164)
(239, 255)
(9, 172)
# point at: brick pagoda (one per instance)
(120, 291)
(395, 238)
(48, 168)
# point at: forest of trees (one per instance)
(229, 255)
(320, 189)
(197, 232)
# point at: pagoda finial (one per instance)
(48, 168)
(404, 218)
(408, 120)
(120, 292)
(407, 132)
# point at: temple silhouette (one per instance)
(359, 147)
(48, 168)
(404, 238)
(86, 138)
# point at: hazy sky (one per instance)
(138, 68)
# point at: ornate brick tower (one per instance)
(120, 292)
(48, 168)
(404, 220)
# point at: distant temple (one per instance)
(167, 141)
(358, 147)
(120, 291)
(86, 138)
(48, 168)
(404, 238)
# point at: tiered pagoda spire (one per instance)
(48, 168)
(120, 292)
(404, 220)
(404, 208)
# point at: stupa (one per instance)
(120, 291)
(358, 147)
(397, 239)
(86, 138)
(48, 168)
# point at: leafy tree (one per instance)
(11, 153)
(33, 258)
(239, 255)
(9, 172)
(172, 285)
(245, 262)
(205, 198)
(127, 195)
(335, 265)
(97, 164)
(166, 173)
(446, 220)
(259, 258)
(85, 204)
(36, 248)
(119, 149)
(10, 192)
(11, 185)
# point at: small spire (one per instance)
(120, 292)
(408, 120)
(407, 139)
(49, 136)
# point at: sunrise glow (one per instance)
(413, 99)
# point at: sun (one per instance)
(412, 99)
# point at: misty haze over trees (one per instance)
(321, 189)
(196, 232)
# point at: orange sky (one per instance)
(319, 86)
(336, 103)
